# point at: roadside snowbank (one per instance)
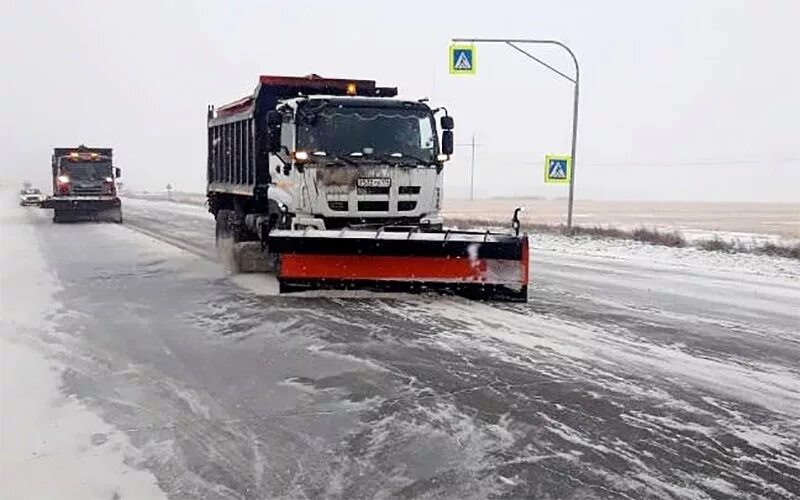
(51, 446)
(656, 256)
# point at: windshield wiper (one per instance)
(397, 159)
(419, 160)
(343, 159)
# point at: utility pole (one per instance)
(472, 145)
(511, 42)
(472, 172)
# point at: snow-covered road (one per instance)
(634, 372)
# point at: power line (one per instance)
(710, 162)
(739, 161)
(472, 145)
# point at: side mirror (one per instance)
(447, 123)
(117, 172)
(447, 142)
(274, 122)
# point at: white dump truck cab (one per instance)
(349, 161)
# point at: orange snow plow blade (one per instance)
(486, 266)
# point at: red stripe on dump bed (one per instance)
(313, 81)
(380, 267)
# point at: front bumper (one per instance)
(87, 204)
(489, 266)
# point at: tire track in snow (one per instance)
(599, 400)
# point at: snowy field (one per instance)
(742, 220)
(634, 371)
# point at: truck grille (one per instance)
(375, 199)
(373, 206)
(406, 206)
(338, 205)
(86, 190)
(373, 190)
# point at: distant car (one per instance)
(30, 196)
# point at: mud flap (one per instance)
(250, 257)
(478, 265)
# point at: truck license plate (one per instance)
(381, 182)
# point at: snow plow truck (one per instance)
(84, 185)
(337, 184)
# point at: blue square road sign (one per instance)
(557, 169)
(462, 60)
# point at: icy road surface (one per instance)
(634, 372)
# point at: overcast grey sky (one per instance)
(680, 100)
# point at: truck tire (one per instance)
(117, 218)
(57, 217)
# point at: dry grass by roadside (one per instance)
(789, 251)
(642, 234)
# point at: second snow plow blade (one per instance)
(486, 266)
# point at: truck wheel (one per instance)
(57, 217)
(118, 216)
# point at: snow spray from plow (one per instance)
(479, 265)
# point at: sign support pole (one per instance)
(511, 42)
(574, 142)
(472, 172)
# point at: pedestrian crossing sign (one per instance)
(462, 59)
(557, 169)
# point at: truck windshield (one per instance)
(337, 130)
(86, 171)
